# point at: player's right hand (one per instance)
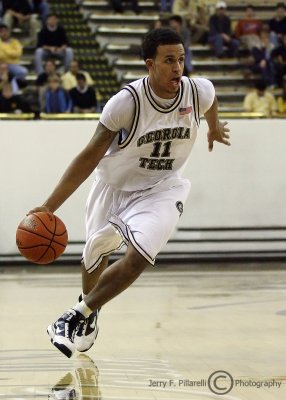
(39, 209)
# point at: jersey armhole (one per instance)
(196, 103)
(135, 120)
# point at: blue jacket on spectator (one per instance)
(57, 101)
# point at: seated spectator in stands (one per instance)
(69, 78)
(260, 101)
(7, 77)
(281, 100)
(196, 17)
(83, 96)
(178, 24)
(220, 34)
(20, 13)
(12, 103)
(118, 8)
(50, 69)
(42, 80)
(277, 24)
(263, 63)
(52, 43)
(57, 100)
(41, 7)
(278, 57)
(10, 52)
(248, 29)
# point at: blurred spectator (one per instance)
(277, 24)
(20, 13)
(177, 23)
(50, 69)
(42, 81)
(220, 34)
(263, 63)
(7, 77)
(196, 17)
(118, 8)
(278, 56)
(248, 28)
(69, 78)
(52, 43)
(10, 52)
(57, 99)
(260, 100)
(83, 97)
(41, 7)
(12, 103)
(281, 101)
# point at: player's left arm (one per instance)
(218, 131)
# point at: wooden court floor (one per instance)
(193, 333)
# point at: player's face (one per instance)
(166, 70)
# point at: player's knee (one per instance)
(135, 263)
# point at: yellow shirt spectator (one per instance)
(69, 80)
(281, 103)
(260, 101)
(10, 51)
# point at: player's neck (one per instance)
(163, 94)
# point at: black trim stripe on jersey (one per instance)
(138, 247)
(130, 238)
(196, 103)
(135, 121)
(153, 102)
(99, 259)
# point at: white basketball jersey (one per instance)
(159, 142)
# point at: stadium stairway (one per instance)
(108, 46)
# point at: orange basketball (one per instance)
(41, 237)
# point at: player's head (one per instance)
(158, 37)
(164, 56)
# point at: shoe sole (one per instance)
(60, 346)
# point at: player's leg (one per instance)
(86, 334)
(89, 280)
(116, 278)
(113, 280)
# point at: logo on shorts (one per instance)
(180, 207)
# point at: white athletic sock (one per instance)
(83, 309)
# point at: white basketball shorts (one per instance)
(144, 218)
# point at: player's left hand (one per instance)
(219, 135)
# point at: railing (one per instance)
(96, 116)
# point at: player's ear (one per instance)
(149, 63)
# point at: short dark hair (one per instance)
(158, 37)
(249, 6)
(260, 85)
(52, 15)
(176, 18)
(80, 76)
(280, 5)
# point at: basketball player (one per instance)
(140, 147)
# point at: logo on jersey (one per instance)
(185, 110)
(180, 207)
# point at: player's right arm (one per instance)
(79, 169)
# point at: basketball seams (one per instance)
(38, 239)
(51, 240)
(37, 216)
(37, 234)
(56, 219)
